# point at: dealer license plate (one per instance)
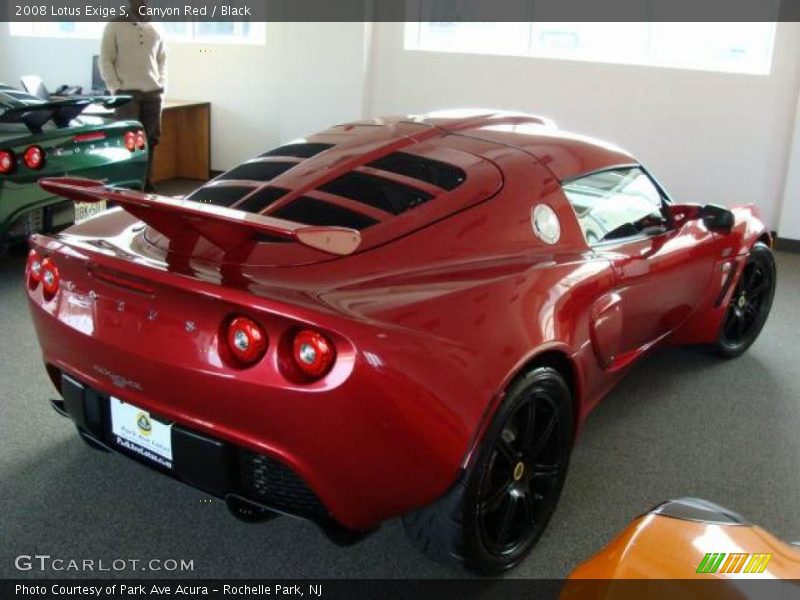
(86, 210)
(135, 430)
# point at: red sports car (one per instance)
(401, 316)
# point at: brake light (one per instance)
(94, 136)
(6, 162)
(141, 140)
(312, 355)
(33, 157)
(130, 140)
(50, 278)
(34, 269)
(246, 341)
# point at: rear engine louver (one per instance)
(316, 212)
(299, 150)
(261, 199)
(386, 195)
(424, 169)
(258, 170)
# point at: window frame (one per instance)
(665, 203)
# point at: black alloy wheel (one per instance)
(522, 477)
(750, 303)
(492, 517)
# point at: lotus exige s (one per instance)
(394, 317)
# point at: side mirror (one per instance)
(717, 218)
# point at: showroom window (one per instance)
(241, 32)
(726, 47)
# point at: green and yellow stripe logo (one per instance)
(720, 562)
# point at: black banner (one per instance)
(405, 10)
(405, 589)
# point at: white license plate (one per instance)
(86, 210)
(135, 430)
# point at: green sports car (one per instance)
(45, 138)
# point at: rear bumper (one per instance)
(212, 465)
(372, 443)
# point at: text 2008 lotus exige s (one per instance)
(406, 316)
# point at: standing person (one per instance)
(133, 61)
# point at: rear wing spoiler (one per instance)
(35, 114)
(226, 228)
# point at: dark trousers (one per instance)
(145, 108)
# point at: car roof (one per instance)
(427, 154)
(567, 155)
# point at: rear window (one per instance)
(428, 170)
(258, 170)
(389, 196)
(311, 211)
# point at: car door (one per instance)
(662, 271)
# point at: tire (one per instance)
(492, 517)
(750, 303)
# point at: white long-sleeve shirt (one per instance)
(133, 57)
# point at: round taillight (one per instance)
(141, 140)
(6, 162)
(50, 278)
(34, 269)
(246, 340)
(312, 354)
(33, 157)
(130, 140)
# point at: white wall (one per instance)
(709, 137)
(308, 76)
(789, 222)
(57, 61)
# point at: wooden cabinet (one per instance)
(185, 147)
